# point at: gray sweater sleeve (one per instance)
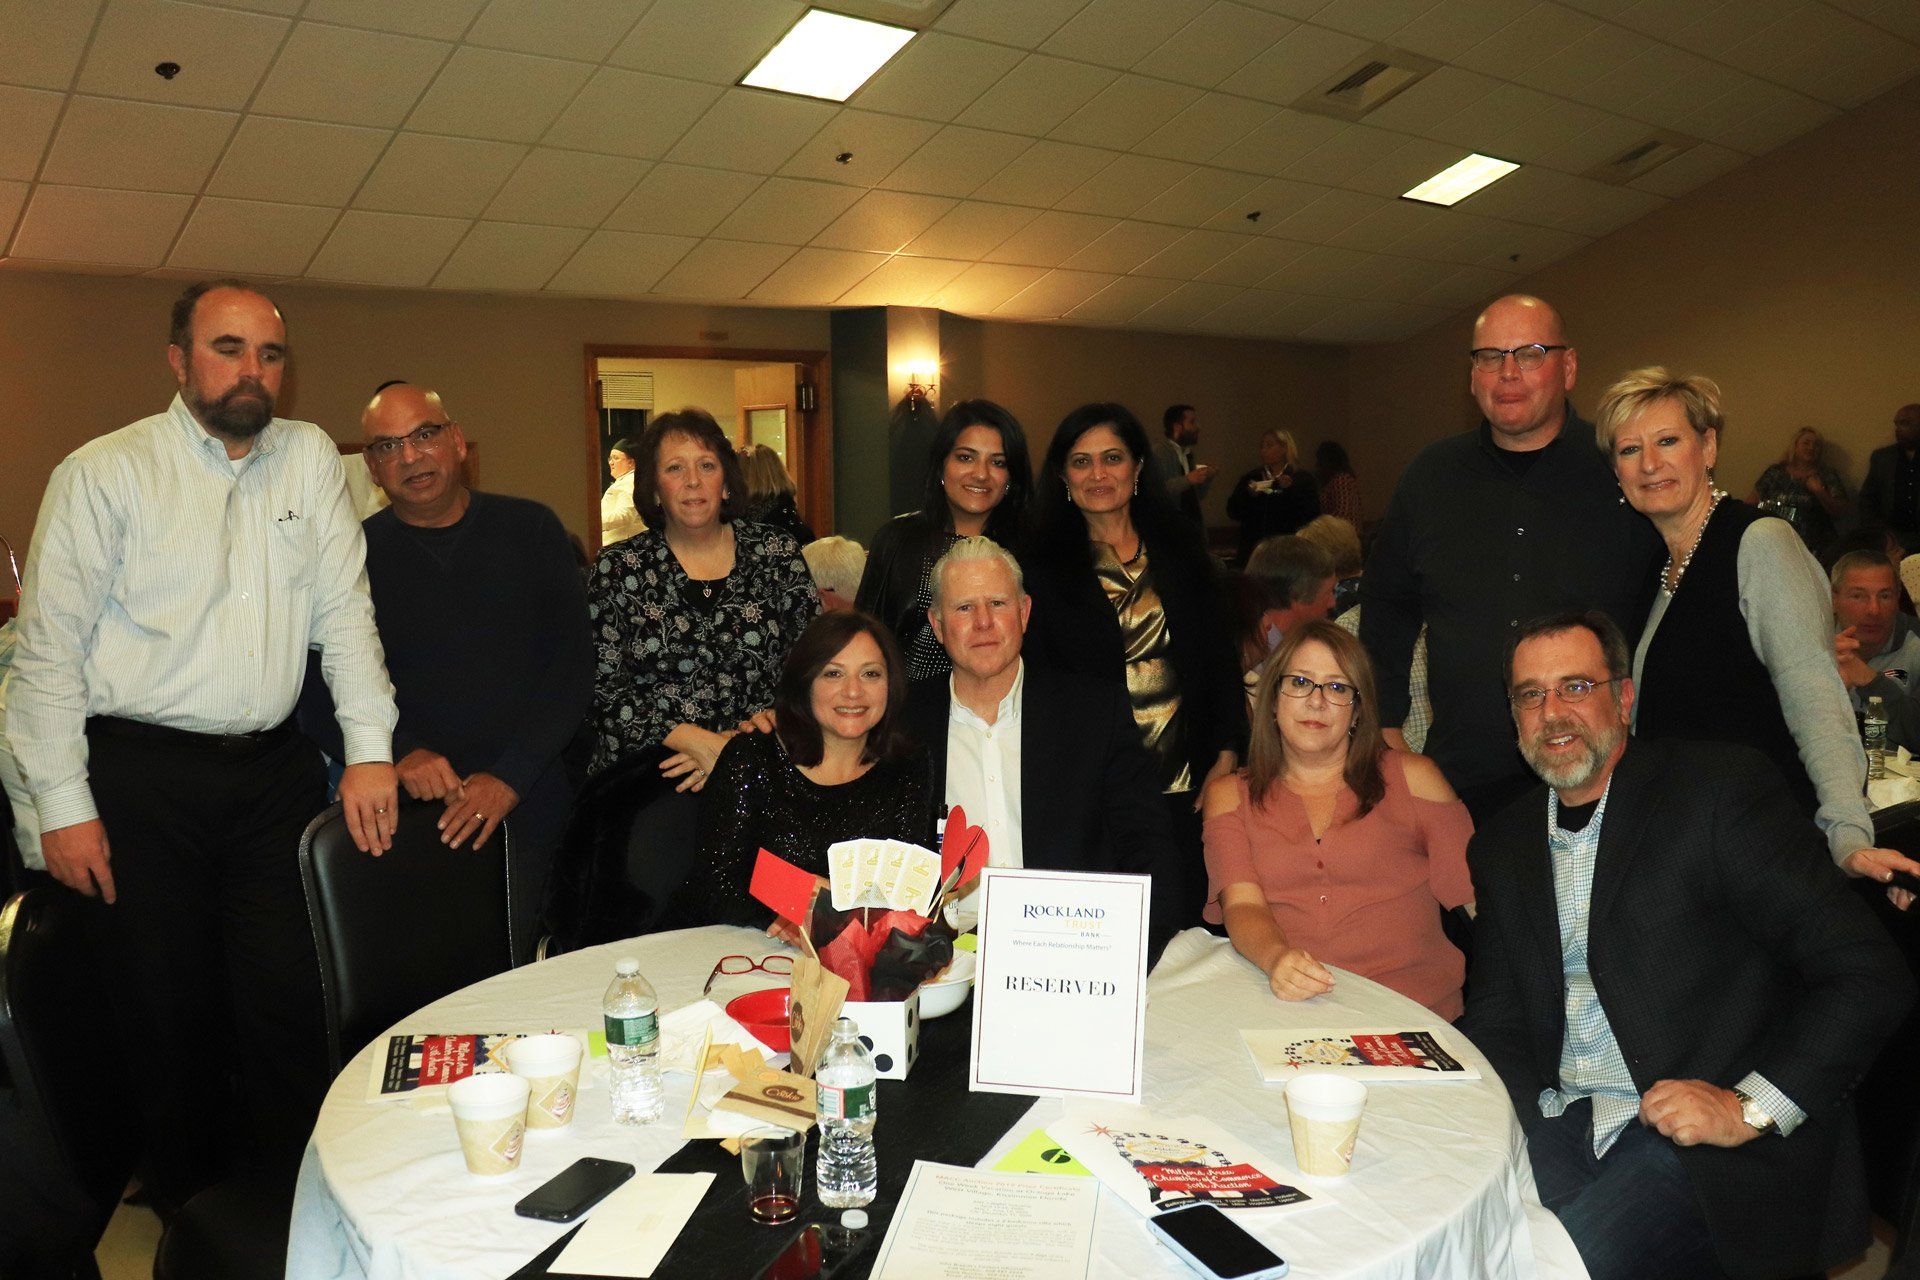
(1789, 611)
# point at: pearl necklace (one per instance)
(1670, 576)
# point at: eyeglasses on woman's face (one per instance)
(1338, 692)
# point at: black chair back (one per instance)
(628, 847)
(403, 929)
(71, 1132)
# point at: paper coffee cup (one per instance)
(550, 1064)
(490, 1115)
(1324, 1112)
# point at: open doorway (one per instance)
(776, 398)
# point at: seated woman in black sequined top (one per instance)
(837, 767)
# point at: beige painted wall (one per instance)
(1794, 282)
(84, 355)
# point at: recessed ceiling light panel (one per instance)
(1452, 185)
(827, 55)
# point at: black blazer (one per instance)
(903, 549)
(1089, 792)
(1721, 940)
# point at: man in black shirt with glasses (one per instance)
(1519, 517)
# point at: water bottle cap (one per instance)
(854, 1219)
(627, 967)
(846, 1027)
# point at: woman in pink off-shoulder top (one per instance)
(1329, 848)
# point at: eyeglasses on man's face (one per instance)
(1528, 358)
(1533, 697)
(424, 438)
(1339, 692)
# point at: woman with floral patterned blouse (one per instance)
(693, 618)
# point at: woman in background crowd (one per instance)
(692, 618)
(770, 493)
(1124, 590)
(836, 767)
(1274, 497)
(1738, 643)
(1804, 491)
(1331, 848)
(1339, 491)
(978, 481)
(618, 518)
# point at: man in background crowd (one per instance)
(1891, 494)
(180, 569)
(1518, 517)
(1187, 480)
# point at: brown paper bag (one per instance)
(818, 993)
(773, 1097)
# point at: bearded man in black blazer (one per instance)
(1674, 983)
(1049, 764)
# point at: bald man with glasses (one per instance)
(1518, 517)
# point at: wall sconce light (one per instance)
(921, 382)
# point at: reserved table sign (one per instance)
(1060, 1003)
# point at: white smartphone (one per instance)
(1213, 1244)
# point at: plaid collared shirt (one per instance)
(1591, 1065)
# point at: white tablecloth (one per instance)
(1440, 1186)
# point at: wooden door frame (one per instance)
(816, 424)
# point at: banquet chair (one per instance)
(627, 849)
(233, 1230)
(401, 930)
(69, 1137)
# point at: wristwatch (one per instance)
(1754, 1114)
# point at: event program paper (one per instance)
(1042, 1227)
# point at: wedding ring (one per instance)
(379, 810)
(479, 817)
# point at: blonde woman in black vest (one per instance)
(1738, 644)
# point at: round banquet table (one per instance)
(1440, 1186)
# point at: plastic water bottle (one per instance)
(632, 1014)
(1875, 732)
(847, 1103)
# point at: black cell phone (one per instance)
(1215, 1245)
(574, 1190)
(816, 1252)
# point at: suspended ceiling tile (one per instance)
(400, 249)
(1124, 248)
(788, 211)
(1448, 30)
(1199, 197)
(1275, 200)
(982, 287)
(1050, 239)
(936, 77)
(1124, 185)
(251, 238)
(683, 38)
(1207, 127)
(584, 29)
(875, 145)
(433, 19)
(1037, 96)
(45, 41)
(752, 131)
(565, 188)
(1693, 167)
(26, 123)
(1219, 41)
(956, 161)
(347, 76)
(1606, 140)
(883, 221)
(49, 266)
(1022, 23)
(1901, 17)
(682, 200)
(1125, 112)
(1122, 300)
(141, 146)
(903, 282)
(722, 269)
(619, 264)
(507, 257)
(297, 161)
(972, 229)
(1275, 147)
(222, 53)
(1119, 33)
(1044, 174)
(1537, 34)
(1371, 19)
(1054, 294)
(1394, 174)
(1254, 262)
(811, 277)
(1586, 62)
(631, 113)
(1294, 64)
(427, 174)
(86, 224)
(1331, 212)
(1183, 307)
(1350, 151)
(1435, 97)
(1384, 227)
(487, 93)
(13, 198)
(1192, 254)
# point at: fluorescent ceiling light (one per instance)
(1451, 186)
(827, 55)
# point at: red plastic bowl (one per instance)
(764, 1014)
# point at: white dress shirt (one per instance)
(171, 585)
(983, 776)
(618, 518)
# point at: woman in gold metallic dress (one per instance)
(1124, 589)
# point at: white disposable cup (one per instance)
(490, 1115)
(550, 1064)
(1323, 1110)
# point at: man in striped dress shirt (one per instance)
(180, 569)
